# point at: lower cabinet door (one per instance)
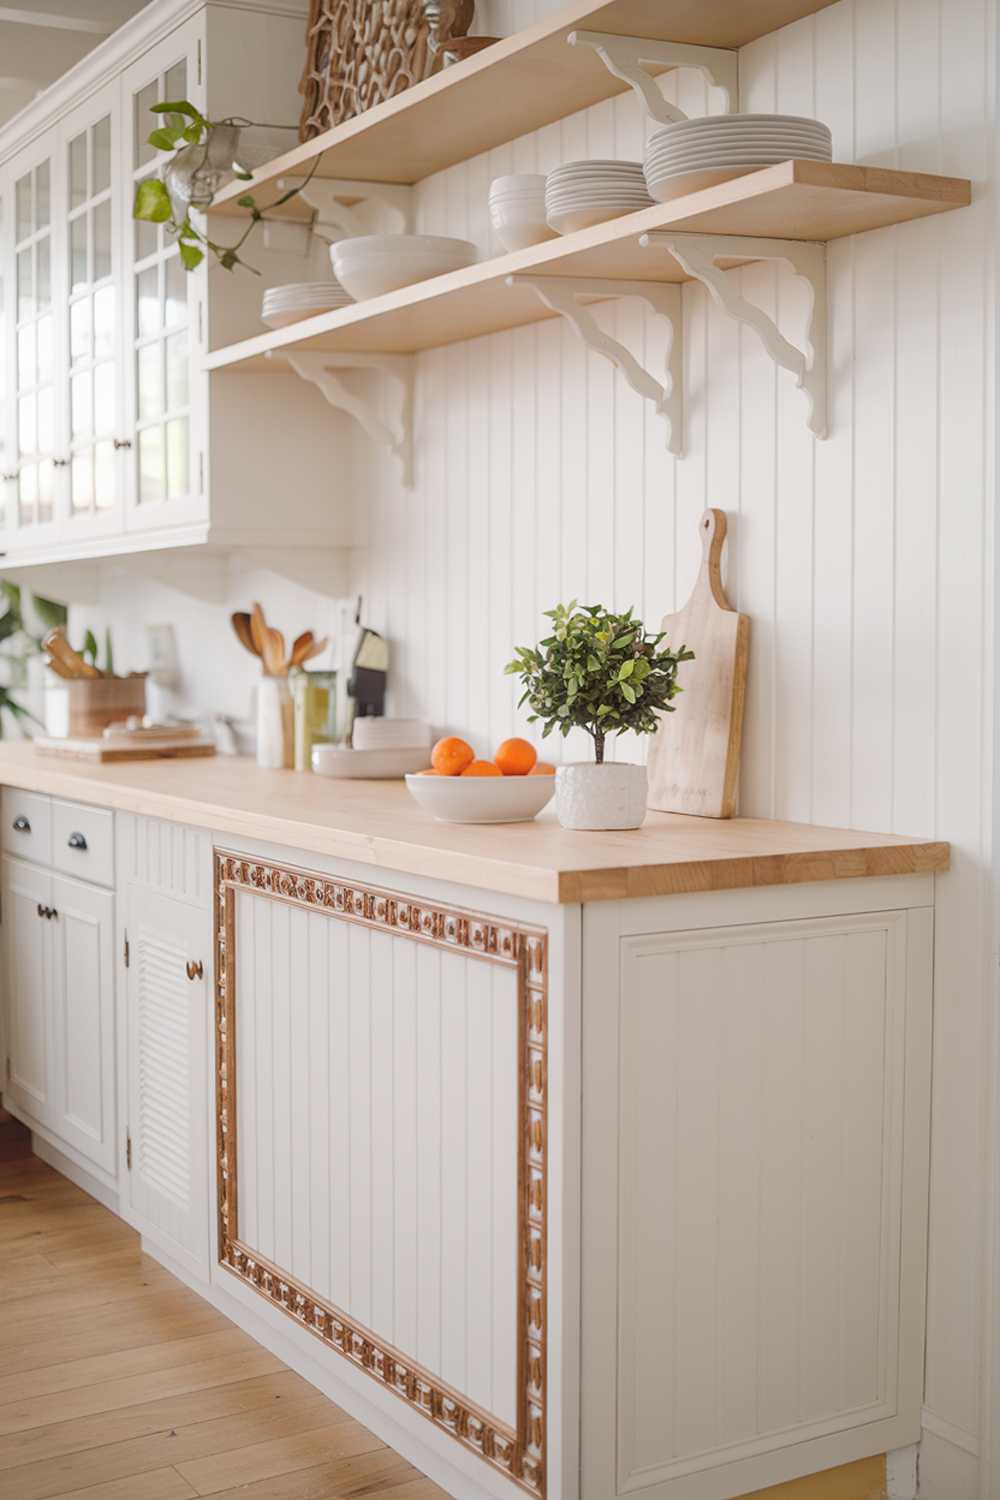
(169, 994)
(27, 891)
(83, 991)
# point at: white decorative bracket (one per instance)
(560, 293)
(624, 57)
(336, 218)
(699, 254)
(319, 368)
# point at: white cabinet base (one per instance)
(61, 1161)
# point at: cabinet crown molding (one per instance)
(117, 52)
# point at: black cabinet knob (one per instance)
(77, 841)
(21, 825)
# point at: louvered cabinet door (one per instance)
(168, 1121)
(83, 999)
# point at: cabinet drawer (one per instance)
(83, 841)
(27, 825)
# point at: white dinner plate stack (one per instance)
(692, 154)
(583, 193)
(301, 299)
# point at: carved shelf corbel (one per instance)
(320, 369)
(334, 201)
(699, 254)
(624, 56)
(561, 294)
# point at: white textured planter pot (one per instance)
(607, 796)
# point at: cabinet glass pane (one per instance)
(43, 267)
(45, 353)
(143, 123)
(82, 481)
(46, 490)
(78, 277)
(104, 398)
(46, 421)
(102, 240)
(100, 160)
(150, 381)
(177, 371)
(28, 492)
(151, 475)
(146, 239)
(25, 285)
(104, 475)
(42, 195)
(78, 170)
(23, 213)
(176, 308)
(177, 457)
(176, 82)
(27, 424)
(81, 404)
(147, 296)
(104, 321)
(80, 330)
(27, 364)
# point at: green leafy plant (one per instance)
(20, 643)
(185, 127)
(598, 671)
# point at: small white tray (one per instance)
(369, 765)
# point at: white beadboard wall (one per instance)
(865, 561)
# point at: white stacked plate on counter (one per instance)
(693, 154)
(301, 299)
(583, 193)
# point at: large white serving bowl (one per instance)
(373, 264)
(482, 799)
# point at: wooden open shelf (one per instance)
(796, 200)
(523, 82)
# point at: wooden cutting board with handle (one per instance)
(694, 757)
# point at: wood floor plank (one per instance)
(128, 1363)
(158, 1484)
(142, 1281)
(94, 1330)
(259, 1461)
(379, 1473)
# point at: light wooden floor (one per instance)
(118, 1383)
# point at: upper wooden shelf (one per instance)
(796, 200)
(518, 85)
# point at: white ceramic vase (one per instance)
(274, 724)
(612, 795)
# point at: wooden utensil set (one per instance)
(69, 664)
(263, 641)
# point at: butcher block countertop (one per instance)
(378, 823)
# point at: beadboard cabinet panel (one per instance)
(753, 1229)
(377, 1121)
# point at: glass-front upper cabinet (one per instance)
(92, 396)
(161, 314)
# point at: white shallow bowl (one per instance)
(368, 765)
(378, 733)
(374, 264)
(517, 182)
(482, 799)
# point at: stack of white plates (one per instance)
(583, 193)
(376, 733)
(692, 154)
(301, 299)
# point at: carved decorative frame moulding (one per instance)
(520, 1453)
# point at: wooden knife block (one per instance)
(96, 702)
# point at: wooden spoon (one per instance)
(273, 654)
(258, 628)
(244, 633)
(59, 648)
(316, 649)
(300, 646)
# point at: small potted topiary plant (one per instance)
(605, 673)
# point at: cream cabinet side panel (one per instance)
(754, 1189)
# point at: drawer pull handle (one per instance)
(46, 911)
(21, 824)
(122, 443)
(41, 909)
(77, 841)
(195, 970)
(51, 913)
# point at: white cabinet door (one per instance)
(83, 1052)
(168, 995)
(165, 413)
(89, 209)
(27, 893)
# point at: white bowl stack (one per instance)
(517, 210)
(692, 154)
(301, 299)
(372, 264)
(583, 193)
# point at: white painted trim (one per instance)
(945, 1471)
(958, 1437)
(112, 56)
(67, 1167)
(901, 1473)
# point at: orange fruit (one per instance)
(451, 755)
(542, 768)
(482, 768)
(516, 757)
